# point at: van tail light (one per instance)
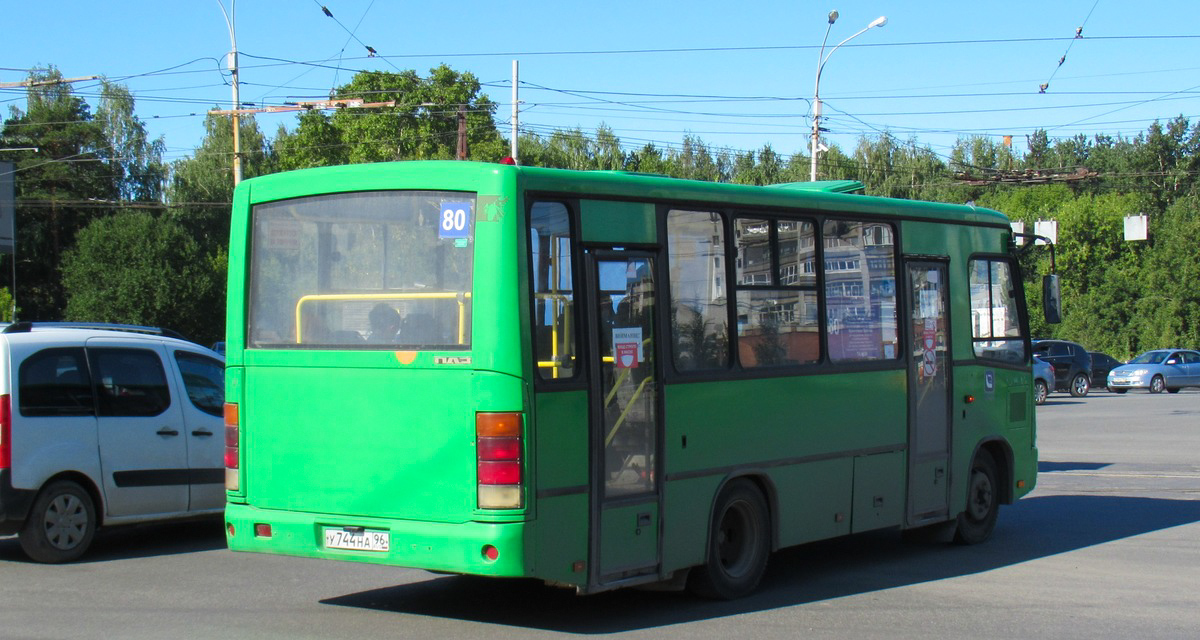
(499, 441)
(232, 433)
(5, 431)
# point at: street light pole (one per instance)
(822, 58)
(230, 20)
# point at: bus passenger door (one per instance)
(625, 425)
(928, 394)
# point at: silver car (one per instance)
(1169, 369)
(1043, 380)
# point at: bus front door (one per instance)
(625, 424)
(929, 394)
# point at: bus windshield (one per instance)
(376, 269)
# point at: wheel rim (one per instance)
(980, 502)
(1156, 385)
(65, 522)
(1040, 393)
(737, 540)
(1081, 385)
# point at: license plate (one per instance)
(357, 539)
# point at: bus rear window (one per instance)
(363, 270)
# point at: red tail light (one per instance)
(499, 440)
(232, 450)
(5, 431)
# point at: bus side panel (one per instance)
(561, 481)
(794, 433)
(1006, 411)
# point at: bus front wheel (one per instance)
(976, 522)
(739, 542)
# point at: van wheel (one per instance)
(739, 541)
(61, 524)
(975, 524)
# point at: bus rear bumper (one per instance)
(477, 548)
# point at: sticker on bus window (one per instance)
(627, 347)
(454, 220)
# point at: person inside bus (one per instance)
(385, 322)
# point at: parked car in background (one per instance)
(1043, 380)
(104, 425)
(1101, 364)
(1072, 365)
(1156, 371)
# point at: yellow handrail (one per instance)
(621, 418)
(443, 295)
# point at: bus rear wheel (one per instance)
(739, 542)
(976, 522)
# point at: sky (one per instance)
(736, 75)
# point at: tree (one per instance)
(60, 187)
(201, 187)
(135, 160)
(419, 123)
(136, 268)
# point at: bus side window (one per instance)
(553, 282)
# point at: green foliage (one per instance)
(1121, 297)
(6, 305)
(201, 187)
(418, 120)
(136, 268)
(57, 186)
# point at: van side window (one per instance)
(55, 382)
(204, 379)
(130, 382)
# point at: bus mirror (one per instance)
(1051, 299)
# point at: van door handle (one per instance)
(201, 432)
(167, 431)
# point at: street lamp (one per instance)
(822, 58)
(230, 20)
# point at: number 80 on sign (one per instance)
(455, 220)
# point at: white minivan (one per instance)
(104, 425)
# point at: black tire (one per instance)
(1040, 391)
(1080, 385)
(1174, 390)
(1157, 384)
(61, 524)
(1118, 391)
(976, 522)
(739, 542)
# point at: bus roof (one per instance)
(840, 196)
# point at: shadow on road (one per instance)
(1033, 528)
(140, 541)
(1050, 467)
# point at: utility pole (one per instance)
(462, 132)
(44, 83)
(513, 142)
(230, 21)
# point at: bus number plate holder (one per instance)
(357, 539)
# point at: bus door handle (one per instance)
(643, 520)
(167, 431)
(938, 474)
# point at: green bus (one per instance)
(603, 379)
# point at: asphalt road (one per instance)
(1107, 546)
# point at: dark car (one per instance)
(1072, 365)
(1101, 364)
